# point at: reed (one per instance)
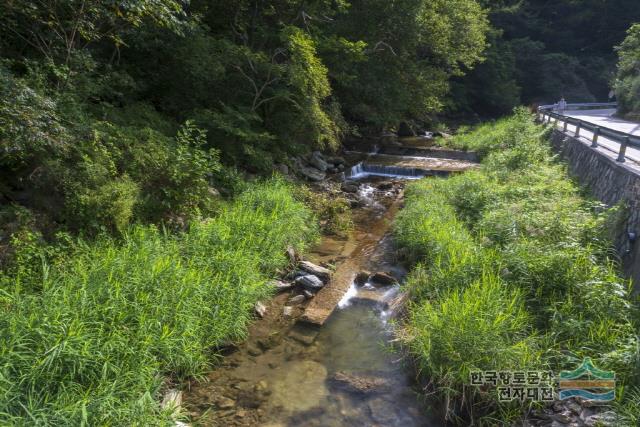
(521, 226)
(94, 335)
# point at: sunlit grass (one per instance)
(94, 341)
(518, 224)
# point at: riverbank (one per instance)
(292, 372)
(93, 332)
(512, 273)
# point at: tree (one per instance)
(627, 82)
(56, 28)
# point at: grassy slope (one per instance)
(511, 271)
(87, 336)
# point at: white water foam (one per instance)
(346, 298)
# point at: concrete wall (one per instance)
(610, 182)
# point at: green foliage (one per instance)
(629, 410)
(412, 49)
(481, 327)
(30, 125)
(519, 225)
(90, 339)
(542, 51)
(56, 29)
(109, 206)
(331, 209)
(308, 75)
(627, 83)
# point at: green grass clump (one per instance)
(520, 224)
(481, 327)
(93, 336)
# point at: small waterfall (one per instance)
(363, 169)
(375, 150)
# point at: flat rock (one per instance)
(225, 403)
(323, 273)
(172, 399)
(304, 335)
(296, 300)
(310, 282)
(360, 383)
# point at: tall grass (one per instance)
(93, 341)
(520, 224)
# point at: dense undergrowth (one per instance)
(512, 272)
(89, 330)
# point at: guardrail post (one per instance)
(623, 149)
(578, 126)
(566, 125)
(596, 134)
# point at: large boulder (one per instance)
(318, 162)
(312, 174)
(336, 160)
(323, 273)
(349, 187)
(310, 282)
(309, 172)
(362, 278)
(404, 130)
(382, 279)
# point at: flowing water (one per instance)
(345, 373)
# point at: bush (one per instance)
(93, 341)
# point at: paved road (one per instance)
(605, 118)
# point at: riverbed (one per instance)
(348, 372)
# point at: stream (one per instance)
(345, 373)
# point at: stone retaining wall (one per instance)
(610, 182)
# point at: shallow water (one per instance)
(342, 374)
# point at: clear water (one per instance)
(297, 378)
(354, 342)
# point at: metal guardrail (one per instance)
(548, 112)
